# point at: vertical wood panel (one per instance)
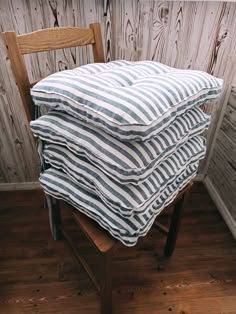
(143, 30)
(38, 65)
(222, 167)
(19, 162)
(124, 29)
(222, 64)
(160, 30)
(108, 32)
(228, 125)
(174, 36)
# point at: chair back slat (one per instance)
(55, 38)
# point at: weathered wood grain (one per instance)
(228, 126)
(228, 148)
(224, 181)
(191, 35)
(125, 29)
(222, 166)
(108, 32)
(19, 162)
(143, 26)
(222, 67)
(232, 98)
(200, 38)
(160, 28)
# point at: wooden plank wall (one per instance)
(222, 167)
(19, 161)
(197, 35)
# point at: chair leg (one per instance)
(106, 283)
(174, 225)
(54, 216)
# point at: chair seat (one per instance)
(180, 194)
(99, 237)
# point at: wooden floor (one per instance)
(39, 275)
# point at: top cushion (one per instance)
(129, 100)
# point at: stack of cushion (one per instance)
(122, 139)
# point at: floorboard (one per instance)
(41, 276)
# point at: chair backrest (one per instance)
(45, 40)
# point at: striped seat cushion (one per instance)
(126, 199)
(126, 162)
(127, 230)
(129, 100)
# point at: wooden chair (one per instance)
(64, 37)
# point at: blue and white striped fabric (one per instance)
(129, 100)
(126, 162)
(127, 230)
(125, 199)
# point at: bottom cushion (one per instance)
(127, 230)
